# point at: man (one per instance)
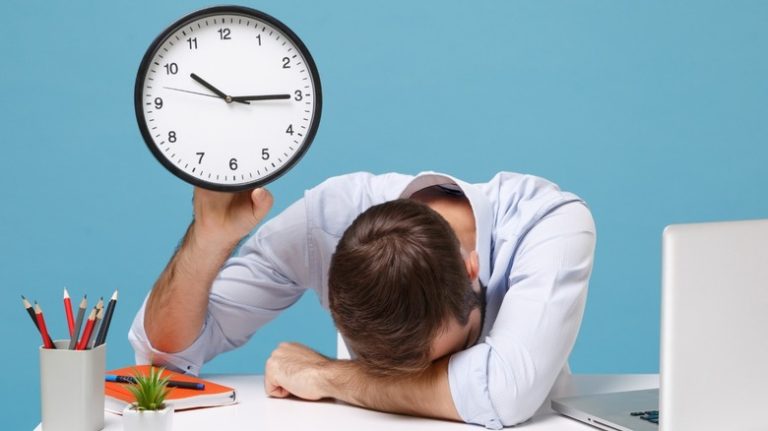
(459, 301)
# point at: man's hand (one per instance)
(228, 217)
(294, 369)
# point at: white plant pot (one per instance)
(147, 420)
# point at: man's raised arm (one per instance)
(176, 308)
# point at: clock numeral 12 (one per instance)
(224, 34)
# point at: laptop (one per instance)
(714, 338)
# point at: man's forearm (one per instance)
(427, 394)
(177, 306)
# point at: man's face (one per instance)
(455, 337)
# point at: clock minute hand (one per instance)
(215, 90)
(261, 97)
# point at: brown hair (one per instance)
(394, 280)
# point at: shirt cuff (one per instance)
(468, 380)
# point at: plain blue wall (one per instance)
(653, 111)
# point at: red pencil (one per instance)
(87, 331)
(41, 325)
(68, 310)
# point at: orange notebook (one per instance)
(118, 397)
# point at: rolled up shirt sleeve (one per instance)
(267, 275)
(505, 379)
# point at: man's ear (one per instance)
(473, 265)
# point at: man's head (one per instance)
(400, 287)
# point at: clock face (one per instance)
(228, 98)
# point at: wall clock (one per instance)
(228, 98)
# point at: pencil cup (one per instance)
(72, 388)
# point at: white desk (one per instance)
(255, 411)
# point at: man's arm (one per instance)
(176, 308)
(294, 369)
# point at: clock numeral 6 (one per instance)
(171, 68)
(224, 34)
(298, 94)
(171, 136)
(286, 63)
(201, 158)
(265, 154)
(233, 164)
(158, 103)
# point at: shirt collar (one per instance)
(481, 208)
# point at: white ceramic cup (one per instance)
(72, 388)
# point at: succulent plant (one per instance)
(150, 390)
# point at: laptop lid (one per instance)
(714, 340)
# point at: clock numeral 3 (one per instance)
(224, 34)
(298, 94)
(171, 68)
(171, 136)
(286, 63)
(233, 164)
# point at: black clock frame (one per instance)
(144, 67)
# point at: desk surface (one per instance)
(257, 411)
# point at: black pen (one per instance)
(171, 383)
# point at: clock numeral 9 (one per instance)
(201, 158)
(171, 68)
(286, 63)
(224, 34)
(158, 103)
(192, 41)
(233, 164)
(299, 96)
(171, 136)
(264, 154)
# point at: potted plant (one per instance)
(149, 412)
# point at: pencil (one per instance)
(87, 331)
(99, 316)
(102, 337)
(32, 315)
(47, 342)
(68, 311)
(78, 322)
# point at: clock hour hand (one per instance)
(261, 97)
(215, 90)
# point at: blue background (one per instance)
(653, 111)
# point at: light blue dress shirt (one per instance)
(535, 245)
